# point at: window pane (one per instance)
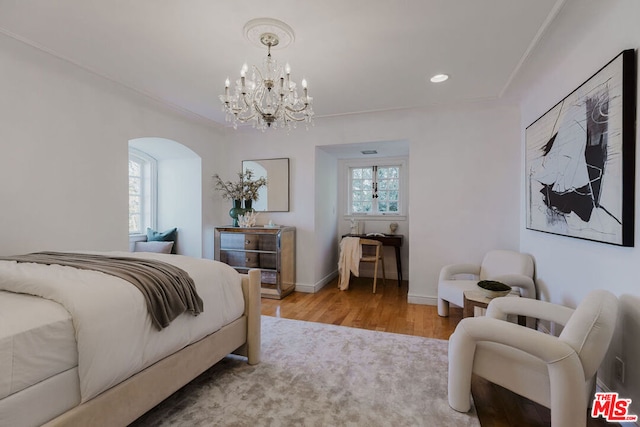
(386, 181)
(134, 205)
(361, 207)
(135, 185)
(142, 184)
(134, 224)
(135, 168)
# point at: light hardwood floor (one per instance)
(388, 311)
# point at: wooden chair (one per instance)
(376, 257)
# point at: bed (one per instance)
(78, 347)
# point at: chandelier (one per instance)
(267, 97)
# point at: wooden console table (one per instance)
(394, 240)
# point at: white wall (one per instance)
(567, 269)
(326, 218)
(180, 203)
(460, 203)
(464, 174)
(64, 136)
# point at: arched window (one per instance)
(142, 192)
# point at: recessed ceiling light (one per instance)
(365, 152)
(439, 78)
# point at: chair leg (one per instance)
(443, 308)
(375, 275)
(383, 273)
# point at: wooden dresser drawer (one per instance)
(238, 241)
(240, 259)
(268, 261)
(268, 243)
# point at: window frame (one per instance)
(149, 190)
(346, 181)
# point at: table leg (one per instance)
(399, 265)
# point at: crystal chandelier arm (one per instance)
(297, 110)
(294, 118)
(267, 98)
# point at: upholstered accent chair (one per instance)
(512, 268)
(557, 372)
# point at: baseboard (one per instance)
(422, 300)
(309, 289)
(312, 289)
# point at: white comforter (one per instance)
(114, 332)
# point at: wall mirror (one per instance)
(274, 197)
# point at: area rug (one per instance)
(313, 374)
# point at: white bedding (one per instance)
(37, 341)
(114, 333)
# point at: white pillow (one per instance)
(153, 246)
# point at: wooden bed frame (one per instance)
(127, 401)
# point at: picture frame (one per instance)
(580, 159)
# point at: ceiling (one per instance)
(357, 55)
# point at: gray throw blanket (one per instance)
(168, 290)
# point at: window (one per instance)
(142, 185)
(375, 189)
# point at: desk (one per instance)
(394, 240)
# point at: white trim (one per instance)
(422, 300)
(312, 289)
(307, 289)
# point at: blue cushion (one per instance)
(164, 236)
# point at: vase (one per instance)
(247, 205)
(235, 211)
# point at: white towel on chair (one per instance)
(349, 262)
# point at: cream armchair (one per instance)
(513, 268)
(557, 372)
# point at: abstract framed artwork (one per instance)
(580, 159)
